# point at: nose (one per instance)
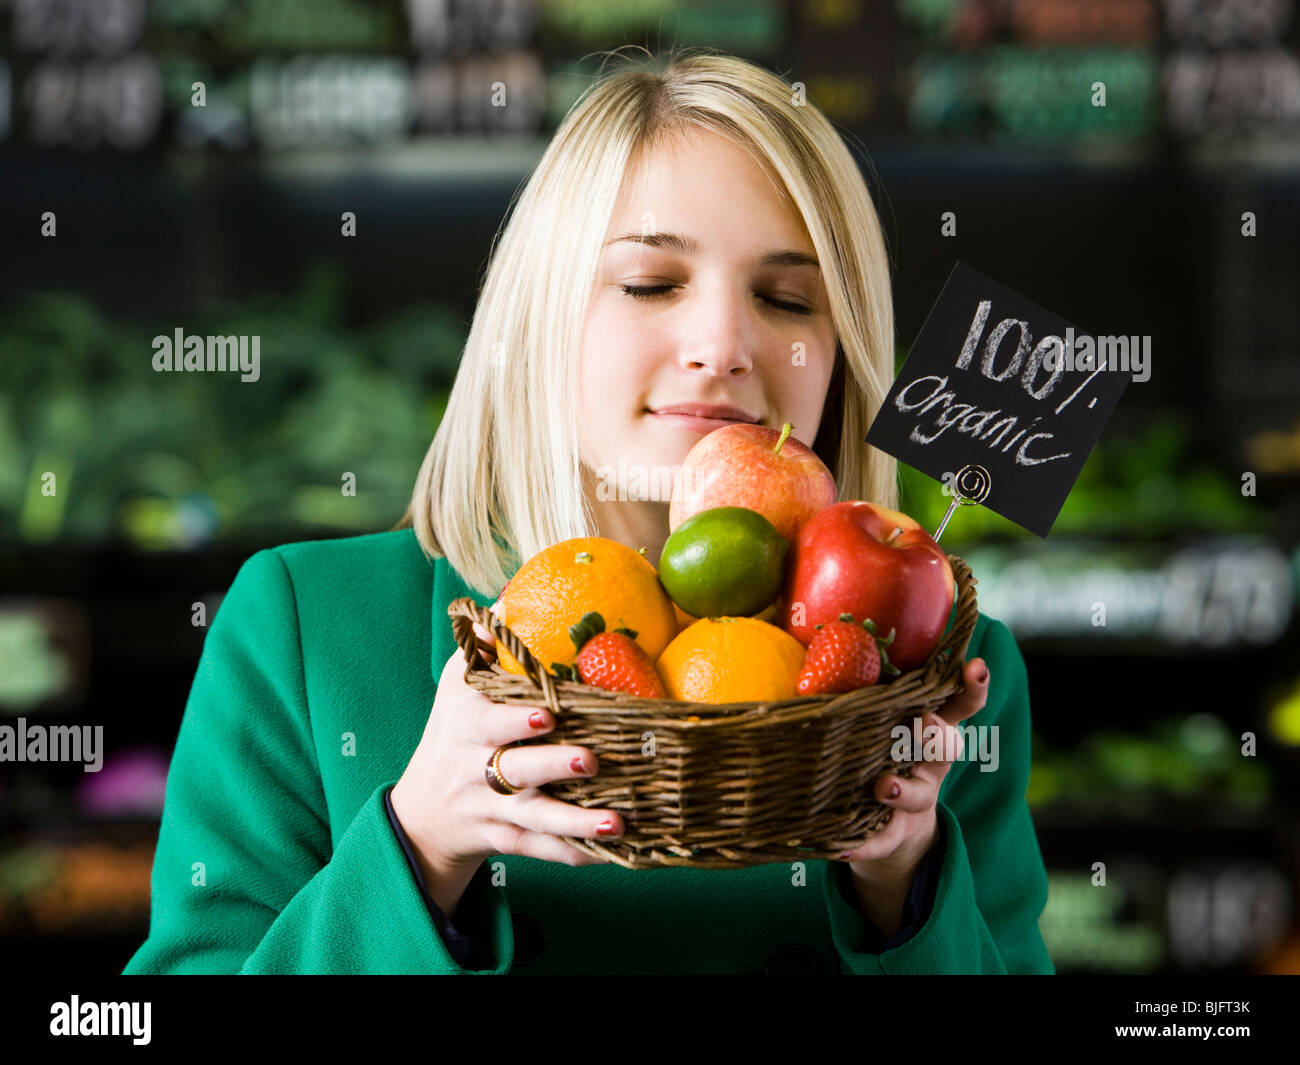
(718, 340)
(719, 360)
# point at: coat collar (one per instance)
(447, 585)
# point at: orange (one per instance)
(731, 660)
(768, 613)
(554, 588)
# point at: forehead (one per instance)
(703, 183)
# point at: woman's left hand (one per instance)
(885, 863)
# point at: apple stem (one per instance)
(786, 430)
(894, 535)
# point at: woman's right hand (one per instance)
(453, 817)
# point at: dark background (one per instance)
(1123, 219)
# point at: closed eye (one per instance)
(644, 292)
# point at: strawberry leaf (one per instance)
(587, 626)
(629, 633)
(563, 672)
(886, 666)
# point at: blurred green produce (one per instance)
(1111, 931)
(174, 459)
(1196, 757)
(1284, 717)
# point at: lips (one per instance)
(708, 412)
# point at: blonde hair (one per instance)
(502, 478)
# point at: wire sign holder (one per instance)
(970, 486)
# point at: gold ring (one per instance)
(492, 771)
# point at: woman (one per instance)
(692, 236)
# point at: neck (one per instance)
(635, 523)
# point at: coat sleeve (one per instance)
(470, 951)
(245, 878)
(992, 883)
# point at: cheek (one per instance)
(801, 389)
(615, 371)
(617, 360)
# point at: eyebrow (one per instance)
(683, 245)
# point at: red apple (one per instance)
(871, 562)
(756, 467)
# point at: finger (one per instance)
(911, 795)
(485, 636)
(943, 739)
(540, 845)
(933, 740)
(493, 725)
(882, 843)
(533, 766)
(971, 699)
(935, 745)
(537, 812)
(485, 633)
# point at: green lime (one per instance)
(723, 562)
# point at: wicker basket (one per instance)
(727, 785)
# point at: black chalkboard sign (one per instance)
(996, 381)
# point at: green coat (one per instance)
(276, 855)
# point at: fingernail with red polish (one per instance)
(537, 720)
(577, 766)
(606, 828)
(984, 675)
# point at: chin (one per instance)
(644, 475)
(661, 445)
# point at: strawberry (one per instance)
(611, 660)
(844, 656)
